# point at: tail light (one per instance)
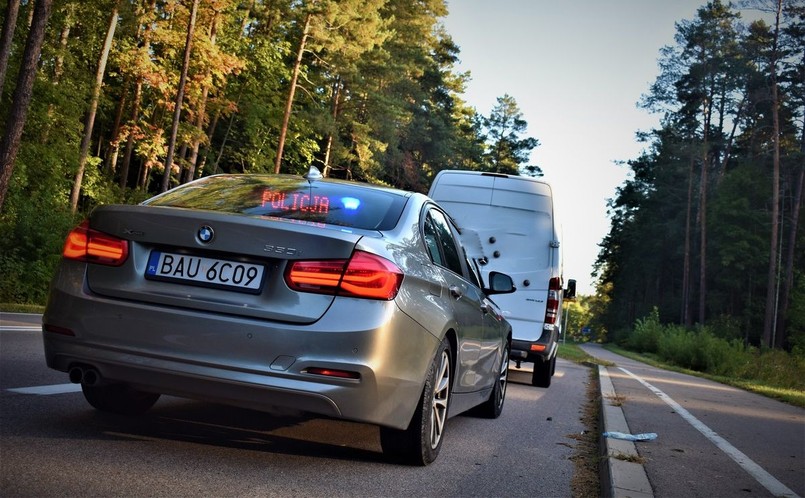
(363, 275)
(92, 246)
(552, 309)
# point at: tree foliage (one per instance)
(508, 150)
(189, 88)
(691, 227)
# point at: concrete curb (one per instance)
(620, 477)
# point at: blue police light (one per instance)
(350, 203)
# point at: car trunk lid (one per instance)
(173, 251)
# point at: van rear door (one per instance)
(509, 221)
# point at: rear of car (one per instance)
(262, 291)
(508, 225)
(255, 291)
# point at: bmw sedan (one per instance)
(336, 298)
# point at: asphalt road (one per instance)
(54, 444)
(712, 440)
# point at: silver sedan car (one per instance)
(336, 298)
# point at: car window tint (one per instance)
(447, 244)
(343, 204)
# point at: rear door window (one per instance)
(441, 243)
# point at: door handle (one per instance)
(455, 291)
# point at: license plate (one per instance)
(207, 272)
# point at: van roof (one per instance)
(492, 189)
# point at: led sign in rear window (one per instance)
(344, 204)
(296, 201)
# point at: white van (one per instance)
(508, 225)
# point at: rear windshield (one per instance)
(291, 198)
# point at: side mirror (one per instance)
(570, 292)
(500, 283)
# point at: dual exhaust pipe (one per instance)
(84, 375)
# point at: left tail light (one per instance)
(552, 308)
(92, 246)
(363, 275)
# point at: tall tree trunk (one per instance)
(58, 67)
(114, 140)
(31, 13)
(703, 225)
(685, 319)
(788, 273)
(210, 134)
(771, 281)
(289, 103)
(64, 37)
(144, 38)
(226, 133)
(245, 22)
(201, 117)
(177, 112)
(728, 151)
(7, 39)
(10, 144)
(93, 107)
(135, 115)
(329, 149)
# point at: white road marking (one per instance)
(45, 390)
(767, 480)
(18, 328)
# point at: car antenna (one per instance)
(313, 174)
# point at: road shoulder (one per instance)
(622, 474)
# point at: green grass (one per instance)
(572, 352)
(794, 397)
(21, 308)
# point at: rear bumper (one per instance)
(248, 362)
(543, 349)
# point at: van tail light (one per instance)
(92, 246)
(552, 309)
(363, 275)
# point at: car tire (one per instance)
(119, 398)
(493, 407)
(420, 443)
(542, 373)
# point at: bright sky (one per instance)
(576, 69)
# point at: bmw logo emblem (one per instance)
(205, 234)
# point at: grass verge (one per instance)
(21, 308)
(791, 396)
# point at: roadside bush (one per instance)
(715, 354)
(619, 336)
(675, 346)
(31, 239)
(645, 337)
(701, 350)
(778, 368)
